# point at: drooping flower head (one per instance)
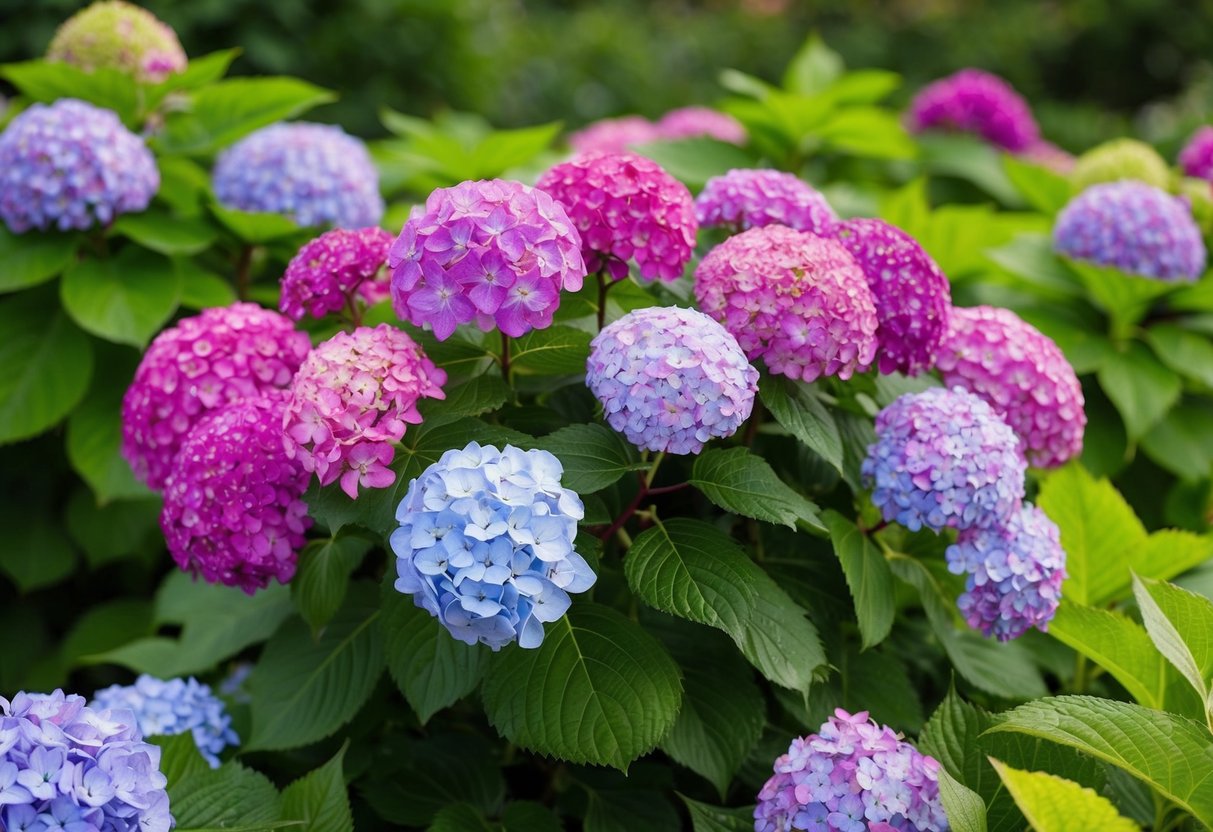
(495, 252)
(747, 198)
(338, 270)
(944, 459)
(485, 544)
(65, 766)
(797, 301)
(223, 355)
(352, 400)
(853, 775)
(626, 208)
(1022, 374)
(1196, 158)
(974, 101)
(671, 379)
(912, 295)
(166, 708)
(693, 122)
(1120, 159)
(111, 34)
(316, 174)
(1015, 573)
(1133, 227)
(70, 165)
(613, 135)
(233, 501)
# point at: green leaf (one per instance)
(705, 818)
(202, 289)
(1044, 190)
(323, 576)
(694, 161)
(501, 150)
(965, 810)
(34, 257)
(780, 640)
(529, 816)
(1031, 257)
(94, 437)
(104, 626)
(125, 298)
(628, 810)
(230, 796)
(593, 456)
(319, 799)
(36, 552)
(970, 159)
(179, 757)
(1185, 352)
(868, 577)
(166, 234)
(1182, 442)
(813, 68)
(557, 350)
(871, 132)
(738, 481)
(1054, 804)
(116, 530)
(1125, 297)
(796, 406)
(481, 394)
(460, 817)
(48, 81)
(951, 737)
(254, 227)
(1180, 624)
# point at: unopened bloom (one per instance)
(485, 544)
(111, 34)
(746, 198)
(692, 122)
(974, 101)
(338, 270)
(613, 135)
(1120, 159)
(1196, 158)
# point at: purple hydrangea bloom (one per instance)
(485, 544)
(748, 198)
(316, 174)
(853, 775)
(1196, 158)
(944, 459)
(1015, 572)
(70, 165)
(671, 379)
(166, 708)
(613, 135)
(1133, 227)
(693, 122)
(340, 270)
(974, 101)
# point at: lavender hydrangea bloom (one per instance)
(70, 165)
(166, 708)
(485, 544)
(745, 198)
(316, 174)
(974, 101)
(944, 459)
(1196, 158)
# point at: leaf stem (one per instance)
(604, 286)
(754, 422)
(505, 357)
(243, 264)
(644, 491)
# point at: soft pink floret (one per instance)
(337, 271)
(694, 122)
(613, 135)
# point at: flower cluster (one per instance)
(233, 501)
(793, 299)
(1022, 374)
(853, 775)
(166, 708)
(618, 135)
(1015, 573)
(1050, 156)
(944, 459)
(1133, 227)
(1196, 158)
(351, 401)
(695, 122)
(223, 355)
(65, 766)
(336, 271)
(70, 165)
(973, 101)
(496, 252)
(112, 34)
(485, 544)
(1120, 159)
(316, 174)
(626, 208)
(671, 379)
(912, 295)
(747, 198)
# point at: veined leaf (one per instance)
(738, 481)
(1054, 804)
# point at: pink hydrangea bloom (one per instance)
(1048, 155)
(793, 299)
(218, 357)
(613, 135)
(747, 198)
(626, 208)
(336, 271)
(1196, 158)
(692, 122)
(975, 101)
(351, 401)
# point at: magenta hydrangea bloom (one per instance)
(233, 501)
(1022, 374)
(613, 135)
(218, 357)
(975, 101)
(797, 301)
(352, 400)
(853, 775)
(671, 379)
(1015, 573)
(338, 270)
(626, 208)
(1196, 158)
(747, 198)
(912, 295)
(495, 252)
(1133, 227)
(693, 122)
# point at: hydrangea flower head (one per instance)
(853, 775)
(1198, 193)
(485, 544)
(223, 355)
(1120, 159)
(671, 379)
(747, 198)
(1133, 227)
(495, 252)
(626, 208)
(233, 502)
(693, 122)
(336, 271)
(316, 174)
(351, 401)
(1022, 374)
(912, 295)
(1015, 573)
(66, 766)
(166, 708)
(111, 34)
(974, 101)
(797, 301)
(1196, 158)
(70, 165)
(613, 135)
(1050, 156)
(944, 459)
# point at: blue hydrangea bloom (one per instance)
(165, 708)
(316, 174)
(485, 544)
(944, 459)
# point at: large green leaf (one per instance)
(1054, 804)
(868, 577)
(968, 157)
(796, 406)
(1141, 388)
(1182, 442)
(555, 351)
(411, 780)
(33, 257)
(36, 552)
(965, 809)
(695, 161)
(780, 640)
(125, 298)
(166, 234)
(628, 810)
(255, 227)
(48, 81)
(230, 796)
(1125, 297)
(116, 530)
(319, 799)
(1180, 624)
(593, 456)
(485, 392)
(1043, 189)
(1031, 257)
(323, 575)
(705, 818)
(738, 481)
(94, 437)
(179, 757)
(1185, 352)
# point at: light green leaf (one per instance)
(1180, 624)
(557, 350)
(593, 456)
(694, 161)
(871, 132)
(1044, 190)
(179, 757)
(125, 298)
(323, 576)
(813, 68)
(738, 481)
(1125, 297)
(965, 809)
(1054, 804)
(34, 257)
(1031, 257)
(166, 234)
(200, 288)
(255, 228)
(705, 818)
(796, 406)
(319, 799)
(967, 157)
(868, 577)
(230, 796)
(501, 150)
(48, 81)
(1185, 352)
(1168, 553)
(94, 437)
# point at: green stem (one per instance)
(243, 263)
(1080, 680)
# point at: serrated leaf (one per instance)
(738, 481)
(166, 234)
(230, 796)
(179, 757)
(555, 351)
(34, 257)
(868, 577)
(411, 780)
(1180, 624)
(593, 456)
(780, 640)
(125, 298)
(323, 576)
(460, 817)
(1140, 387)
(629, 810)
(319, 799)
(481, 394)
(795, 406)
(1054, 804)
(965, 810)
(705, 818)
